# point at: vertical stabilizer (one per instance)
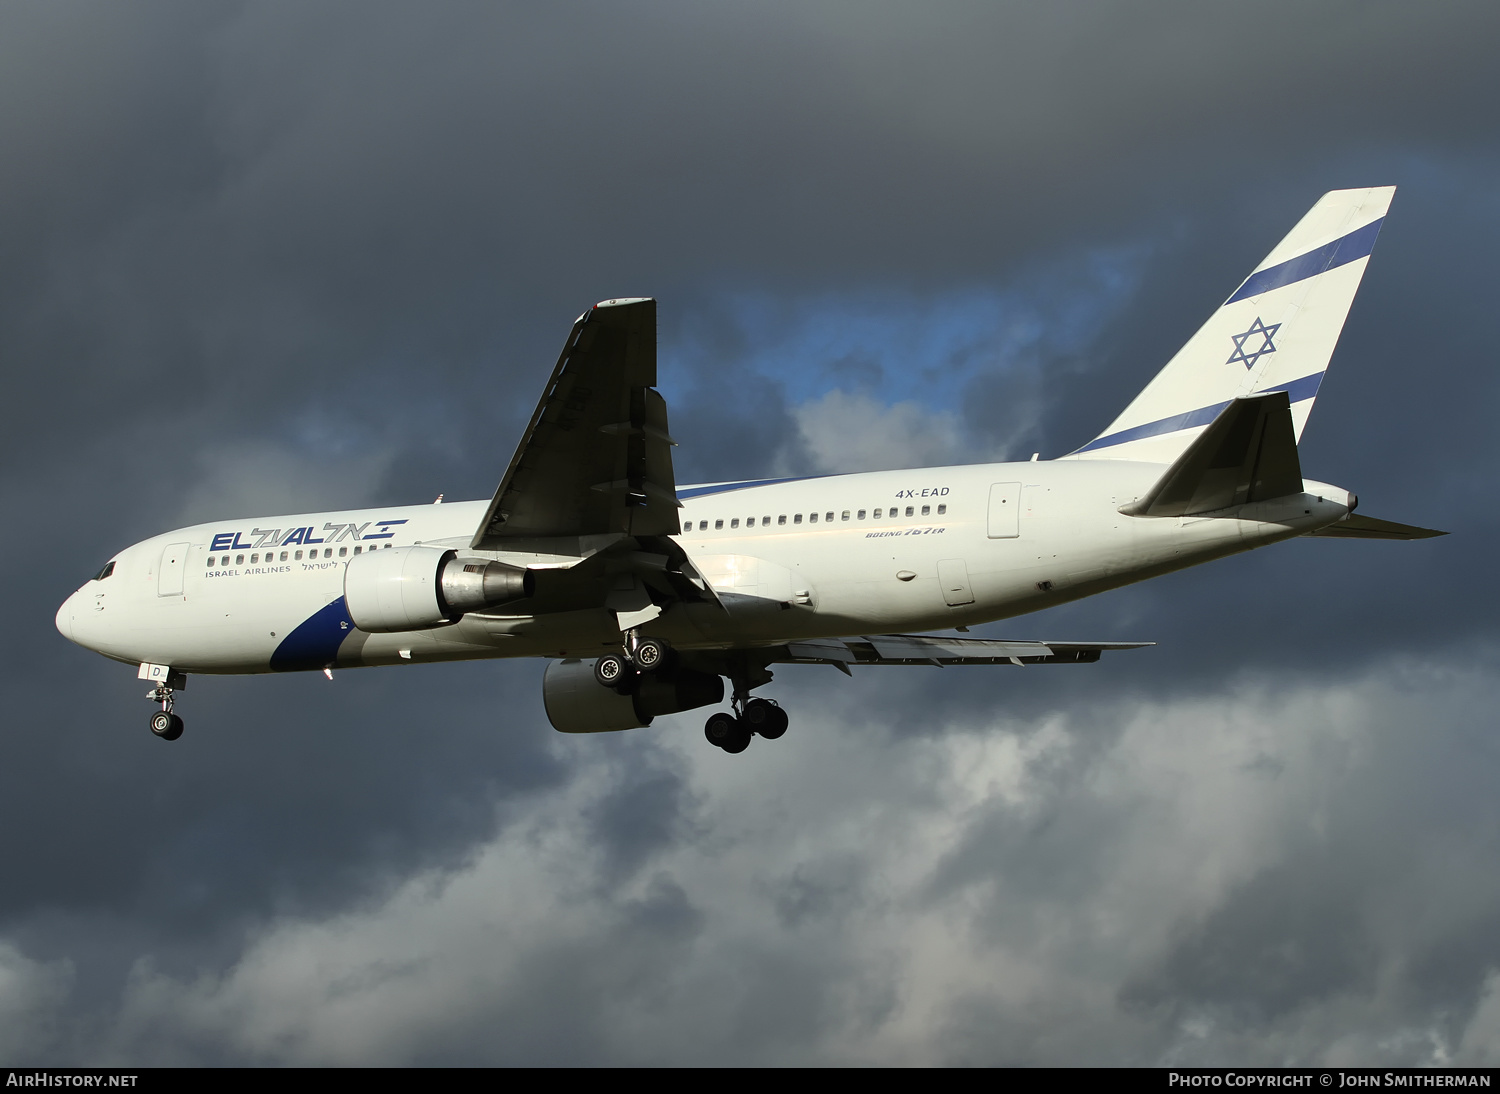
(1276, 332)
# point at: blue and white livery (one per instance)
(646, 595)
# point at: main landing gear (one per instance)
(618, 670)
(752, 718)
(164, 723)
(645, 661)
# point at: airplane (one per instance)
(645, 596)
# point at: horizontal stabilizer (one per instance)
(921, 649)
(1374, 528)
(1248, 453)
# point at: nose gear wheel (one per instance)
(164, 723)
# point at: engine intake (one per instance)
(415, 588)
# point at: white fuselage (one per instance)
(951, 546)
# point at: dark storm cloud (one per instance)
(269, 256)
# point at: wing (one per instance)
(920, 649)
(596, 457)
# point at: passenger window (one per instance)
(812, 518)
(239, 560)
(942, 509)
(254, 559)
(845, 516)
(926, 510)
(210, 566)
(765, 522)
(781, 519)
(908, 510)
(283, 555)
(343, 552)
(735, 523)
(718, 524)
(327, 552)
(797, 519)
(860, 515)
(877, 514)
(749, 522)
(828, 516)
(109, 568)
(299, 556)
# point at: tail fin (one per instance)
(1276, 332)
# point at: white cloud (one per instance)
(32, 996)
(848, 433)
(1063, 891)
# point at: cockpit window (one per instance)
(108, 569)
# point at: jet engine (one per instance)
(578, 703)
(413, 588)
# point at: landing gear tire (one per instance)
(766, 718)
(651, 654)
(166, 725)
(611, 670)
(727, 732)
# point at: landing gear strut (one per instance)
(164, 723)
(751, 718)
(619, 670)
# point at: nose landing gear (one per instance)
(168, 681)
(164, 723)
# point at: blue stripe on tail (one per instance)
(1342, 251)
(1297, 391)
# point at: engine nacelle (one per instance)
(414, 588)
(578, 703)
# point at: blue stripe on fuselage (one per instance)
(726, 487)
(1342, 251)
(1296, 391)
(314, 643)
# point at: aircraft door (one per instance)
(1005, 510)
(953, 575)
(169, 572)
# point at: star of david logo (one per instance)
(1253, 344)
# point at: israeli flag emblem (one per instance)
(1254, 344)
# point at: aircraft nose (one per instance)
(65, 618)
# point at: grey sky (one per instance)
(265, 257)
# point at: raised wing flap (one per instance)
(921, 649)
(596, 457)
